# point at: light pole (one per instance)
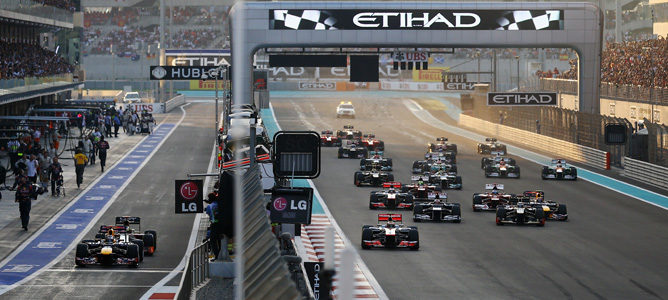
(517, 57)
(477, 55)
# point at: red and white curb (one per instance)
(313, 243)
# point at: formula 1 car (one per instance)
(491, 146)
(494, 197)
(328, 139)
(390, 235)
(442, 145)
(559, 169)
(488, 161)
(437, 210)
(420, 189)
(351, 149)
(117, 245)
(443, 179)
(443, 156)
(391, 198)
(422, 166)
(501, 169)
(370, 142)
(376, 162)
(520, 213)
(372, 177)
(552, 209)
(349, 133)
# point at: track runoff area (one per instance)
(140, 184)
(611, 246)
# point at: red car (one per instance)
(328, 139)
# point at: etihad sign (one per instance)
(521, 99)
(410, 20)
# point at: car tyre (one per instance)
(500, 214)
(133, 252)
(367, 234)
(82, 252)
(413, 235)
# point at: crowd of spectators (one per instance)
(64, 4)
(642, 63)
(197, 38)
(525, 53)
(20, 60)
(124, 40)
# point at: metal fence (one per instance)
(266, 275)
(626, 92)
(196, 270)
(657, 143)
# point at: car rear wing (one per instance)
(441, 195)
(494, 186)
(490, 140)
(130, 220)
(116, 228)
(386, 217)
(420, 177)
(396, 185)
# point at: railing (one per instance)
(195, 272)
(35, 8)
(175, 102)
(588, 156)
(34, 83)
(645, 172)
(266, 273)
(627, 92)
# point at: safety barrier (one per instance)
(174, 103)
(266, 275)
(196, 270)
(562, 149)
(645, 172)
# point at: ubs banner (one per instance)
(389, 19)
(200, 58)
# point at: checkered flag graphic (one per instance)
(304, 19)
(531, 20)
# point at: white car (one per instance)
(132, 97)
(345, 110)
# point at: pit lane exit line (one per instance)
(30, 260)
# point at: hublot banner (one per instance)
(521, 99)
(370, 19)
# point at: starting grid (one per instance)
(52, 242)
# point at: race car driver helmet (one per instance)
(390, 223)
(495, 192)
(437, 200)
(110, 235)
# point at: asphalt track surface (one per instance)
(612, 246)
(150, 195)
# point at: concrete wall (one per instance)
(633, 111)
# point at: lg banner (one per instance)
(291, 206)
(189, 195)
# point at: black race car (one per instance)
(390, 235)
(349, 133)
(501, 169)
(328, 139)
(376, 162)
(552, 209)
(443, 179)
(391, 198)
(494, 197)
(373, 177)
(420, 188)
(422, 166)
(520, 213)
(492, 146)
(488, 161)
(117, 245)
(442, 144)
(439, 209)
(559, 169)
(351, 149)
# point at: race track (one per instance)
(612, 246)
(150, 195)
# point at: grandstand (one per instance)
(39, 53)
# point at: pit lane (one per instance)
(613, 246)
(149, 196)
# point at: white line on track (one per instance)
(94, 220)
(158, 287)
